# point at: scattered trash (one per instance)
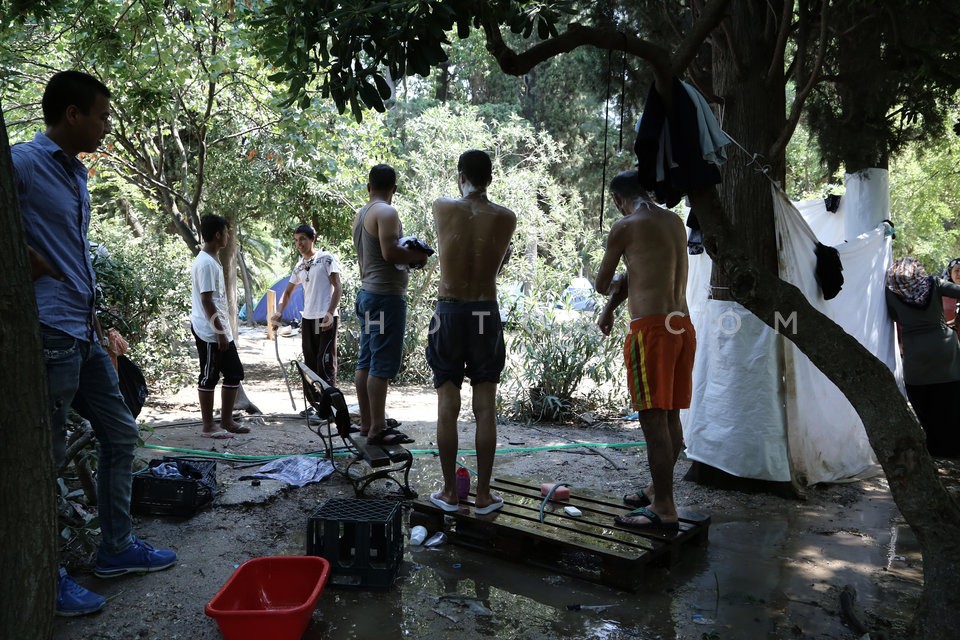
(296, 470)
(442, 614)
(699, 619)
(588, 607)
(417, 535)
(475, 605)
(436, 539)
(456, 565)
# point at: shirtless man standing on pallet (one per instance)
(466, 337)
(660, 346)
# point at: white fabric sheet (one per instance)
(827, 441)
(742, 420)
(735, 422)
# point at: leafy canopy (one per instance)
(348, 46)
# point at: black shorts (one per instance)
(214, 363)
(466, 340)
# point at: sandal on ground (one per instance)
(655, 523)
(490, 508)
(386, 437)
(404, 438)
(443, 504)
(216, 435)
(636, 499)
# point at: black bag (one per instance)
(133, 386)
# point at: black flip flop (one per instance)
(636, 499)
(404, 438)
(655, 524)
(383, 439)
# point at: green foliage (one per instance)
(146, 296)
(890, 71)
(924, 200)
(559, 364)
(353, 52)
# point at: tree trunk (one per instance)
(443, 83)
(228, 259)
(131, 218)
(933, 515)
(754, 112)
(247, 290)
(28, 549)
(864, 93)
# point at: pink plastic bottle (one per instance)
(560, 494)
(463, 483)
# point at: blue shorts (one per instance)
(466, 340)
(383, 320)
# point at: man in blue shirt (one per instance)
(55, 206)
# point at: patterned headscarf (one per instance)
(909, 281)
(946, 274)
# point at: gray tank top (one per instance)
(376, 274)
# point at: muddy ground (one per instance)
(774, 567)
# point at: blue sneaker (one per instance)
(139, 557)
(74, 600)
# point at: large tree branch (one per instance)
(578, 35)
(800, 99)
(711, 16)
(782, 34)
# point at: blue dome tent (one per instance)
(292, 310)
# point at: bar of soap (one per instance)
(562, 493)
(573, 512)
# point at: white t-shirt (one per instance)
(207, 275)
(314, 275)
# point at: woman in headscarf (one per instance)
(931, 352)
(949, 304)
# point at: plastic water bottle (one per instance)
(417, 535)
(436, 539)
(463, 483)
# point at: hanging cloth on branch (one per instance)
(680, 150)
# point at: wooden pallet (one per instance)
(590, 547)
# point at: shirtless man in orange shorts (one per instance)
(660, 346)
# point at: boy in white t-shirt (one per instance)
(319, 274)
(212, 332)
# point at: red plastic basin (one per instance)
(270, 597)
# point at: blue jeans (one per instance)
(80, 373)
(383, 319)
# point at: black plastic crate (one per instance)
(362, 540)
(152, 495)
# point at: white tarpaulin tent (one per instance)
(760, 409)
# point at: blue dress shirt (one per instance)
(55, 207)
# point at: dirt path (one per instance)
(774, 567)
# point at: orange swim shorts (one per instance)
(659, 354)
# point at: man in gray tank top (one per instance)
(381, 303)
